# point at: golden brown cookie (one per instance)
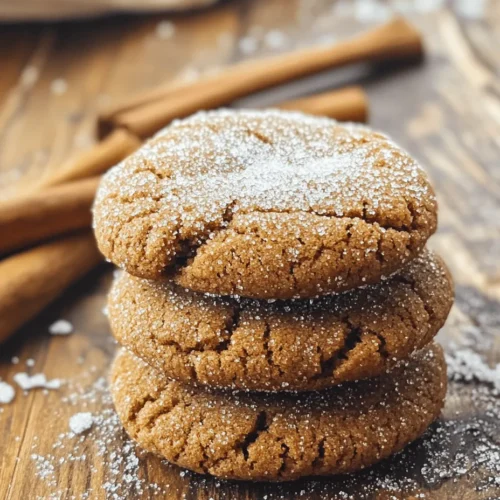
(265, 204)
(292, 345)
(280, 436)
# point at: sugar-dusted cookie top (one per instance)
(265, 204)
(284, 345)
(279, 437)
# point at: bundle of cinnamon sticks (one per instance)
(60, 204)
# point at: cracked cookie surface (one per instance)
(265, 204)
(282, 345)
(281, 436)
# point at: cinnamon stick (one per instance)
(114, 148)
(32, 279)
(34, 217)
(347, 104)
(150, 111)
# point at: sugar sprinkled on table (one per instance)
(7, 393)
(61, 327)
(165, 30)
(37, 381)
(81, 422)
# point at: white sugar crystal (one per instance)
(59, 86)
(61, 327)
(7, 392)
(29, 76)
(30, 362)
(165, 30)
(275, 39)
(248, 45)
(37, 381)
(81, 422)
(466, 365)
(472, 9)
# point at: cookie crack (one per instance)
(329, 365)
(189, 248)
(232, 324)
(261, 425)
(401, 278)
(268, 351)
(283, 457)
(139, 406)
(320, 455)
(382, 346)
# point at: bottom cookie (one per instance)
(279, 437)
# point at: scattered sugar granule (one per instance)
(165, 30)
(29, 76)
(37, 381)
(7, 392)
(59, 86)
(14, 360)
(275, 39)
(61, 327)
(371, 11)
(466, 365)
(30, 362)
(248, 45)
(81, 422)
(471, 10)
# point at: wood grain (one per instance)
(446, 112)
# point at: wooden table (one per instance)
(54, 78)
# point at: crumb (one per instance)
(30, 362)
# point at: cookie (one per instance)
(280, 436)
(265, 204)
(296, 345)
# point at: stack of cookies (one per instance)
(278, 305)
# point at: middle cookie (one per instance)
(281, 345)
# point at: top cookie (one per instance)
(265, 204)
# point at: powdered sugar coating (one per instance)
(265, 204)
